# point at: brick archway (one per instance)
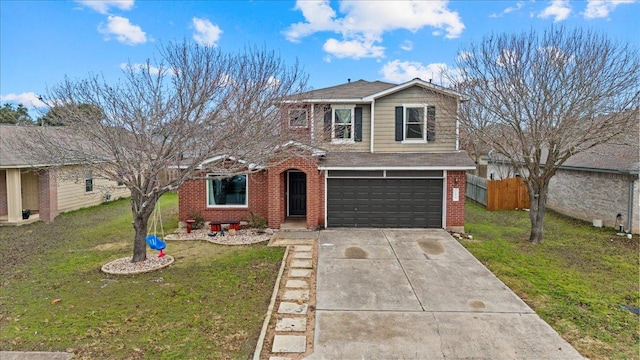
(277, 209)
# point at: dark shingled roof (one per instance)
(455, 159)
(351, 90)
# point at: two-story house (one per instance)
(382, 155)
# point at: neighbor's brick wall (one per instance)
(4, 210)
(455, 209)
(590, 195)
(48, 195)
(192, 197)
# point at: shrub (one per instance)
(197, 216)
(256, 221)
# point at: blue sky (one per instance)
(41, 42)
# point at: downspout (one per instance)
(630, 207)
(313, 122)
(373, 112)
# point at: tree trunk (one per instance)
(538, 200)
(141, 207)
(139, 241)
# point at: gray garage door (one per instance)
(384, 203)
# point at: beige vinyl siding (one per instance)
(30, 191)
(363, 145)
(384, 126)
(72, 195)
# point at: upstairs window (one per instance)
(415, 123)
(342, 124)
(298, 118)
(231, 191)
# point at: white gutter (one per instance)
(397, 168)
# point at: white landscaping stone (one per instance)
(297, 284)
(302, 295)
(292, 324)
(289, 344)
(302, 255)
(300, 273)
(305, 264)
(292, 308)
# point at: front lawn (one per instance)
(209, 304)
(576, 280)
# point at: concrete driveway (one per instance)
(418, 294)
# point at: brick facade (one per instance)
(48, 195)
(590, 195)
(455, 209)
(266, 196)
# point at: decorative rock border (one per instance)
(124, 266)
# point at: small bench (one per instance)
(216, 226)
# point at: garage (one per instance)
(385, 199)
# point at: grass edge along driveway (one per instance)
(576, 280)
(209, 304)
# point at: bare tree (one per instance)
(195, 105)
(543, 97)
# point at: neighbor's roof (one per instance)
(18, 144)
(456, 160)
(366, 91)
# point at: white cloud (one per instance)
(400, 71)
(509, 9)
(365, 22)
(206, 33)
(407, 45)
(103, 6)
(27, 99)
(558, 9)
(123, 30)
(601, 8)
(354, 49)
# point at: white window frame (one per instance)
(404, 123)
(213, 177)
(306, 118)
(88, 176)
(351, 139)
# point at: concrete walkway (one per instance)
(418, 294)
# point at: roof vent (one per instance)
(348, 80)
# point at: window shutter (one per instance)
(327, 123)
(399, 129)
(431, 123)
(358, 124)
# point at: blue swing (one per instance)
(153, 240)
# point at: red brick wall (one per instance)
(48, 195)
(455, 209)
(277, 191)
(192, 197)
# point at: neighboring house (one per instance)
(382, 155)
(597, 184)
(44, 189)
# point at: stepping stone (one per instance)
(292, 324)
(297, 284)
(305, 264)
(289, 344)
(302, 255)
(301, 295)
(300, 273)
(303, 248)
(292, 308)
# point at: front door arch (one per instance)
(297, 193)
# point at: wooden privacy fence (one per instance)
(507, 194)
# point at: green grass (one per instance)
(209, 304)
(576, 280)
